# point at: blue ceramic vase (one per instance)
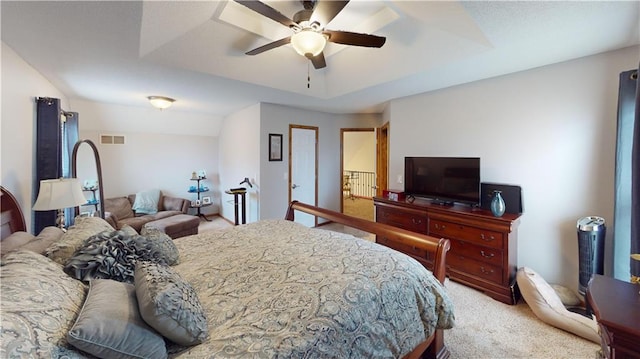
(497, 204)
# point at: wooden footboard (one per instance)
(434, 346)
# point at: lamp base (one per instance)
(60, 220)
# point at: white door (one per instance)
(303, 169)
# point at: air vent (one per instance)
(112, 139)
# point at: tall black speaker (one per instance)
(511, 194)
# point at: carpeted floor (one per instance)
(486, 328)
(359, 207)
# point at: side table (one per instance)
(198, 213)
(616, 305)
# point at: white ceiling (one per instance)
(122, 51)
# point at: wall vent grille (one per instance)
(112, 139)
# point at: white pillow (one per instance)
(146, 202)
(547, 306)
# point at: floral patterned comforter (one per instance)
(277, 289)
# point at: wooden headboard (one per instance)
(12, 218)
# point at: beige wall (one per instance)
(21, 84)
(359, 151)
(551, 130)
(161, 150)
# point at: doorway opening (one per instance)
(358, 171)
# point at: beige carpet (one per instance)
(359, 207)
(486, 328)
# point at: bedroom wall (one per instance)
(276, 119)
(239, 153)
(360, 151)
(161, 150)
(551, 130)
(21, 84)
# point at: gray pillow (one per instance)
(129, 230)
(169, 304)
(39, 304)
(113, 255)
(110, 326)
(163, 244)
(47, 237)
(75, 237)
(15, 241)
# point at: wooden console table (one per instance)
(616, 305)
(484, 248)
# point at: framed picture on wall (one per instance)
(275, 147)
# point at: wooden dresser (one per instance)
(484, 248)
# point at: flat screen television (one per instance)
(443, 179)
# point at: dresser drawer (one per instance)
(411, 221)
(475, 268)
(488, 255)
(458, 231)
(406, 249)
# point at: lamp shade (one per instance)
(58, 194)
(308, 42)
(161, 102)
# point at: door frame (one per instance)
(382, 158)
(341, 183)
(312, 128)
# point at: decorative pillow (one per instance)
(129, 230)
(547, 306)
(15, 241)
(110, 326)
(39, 304)
(163, 244)
(113, 255)
(147, 201)
(169, 304)
(75, 237)
(46, 237)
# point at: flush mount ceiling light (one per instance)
(161, 102)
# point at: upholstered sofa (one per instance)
(171, 211)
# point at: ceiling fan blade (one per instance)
(355, 39)
(325, 11)
(318, 61)
(269, 46)
(266, 10)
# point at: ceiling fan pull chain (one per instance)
(308, 76)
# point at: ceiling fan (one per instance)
(309, 35)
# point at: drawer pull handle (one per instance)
(490, 255)
(483, 270)
(440, 226)
(485, 238)
(416, 221)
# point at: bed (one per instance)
(269, 289)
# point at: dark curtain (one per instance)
(56, 134)
(635, 183)
(626, 234)
(48, 164)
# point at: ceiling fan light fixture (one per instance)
(308, 42)
(161, 102)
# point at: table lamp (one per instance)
(59, 194)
